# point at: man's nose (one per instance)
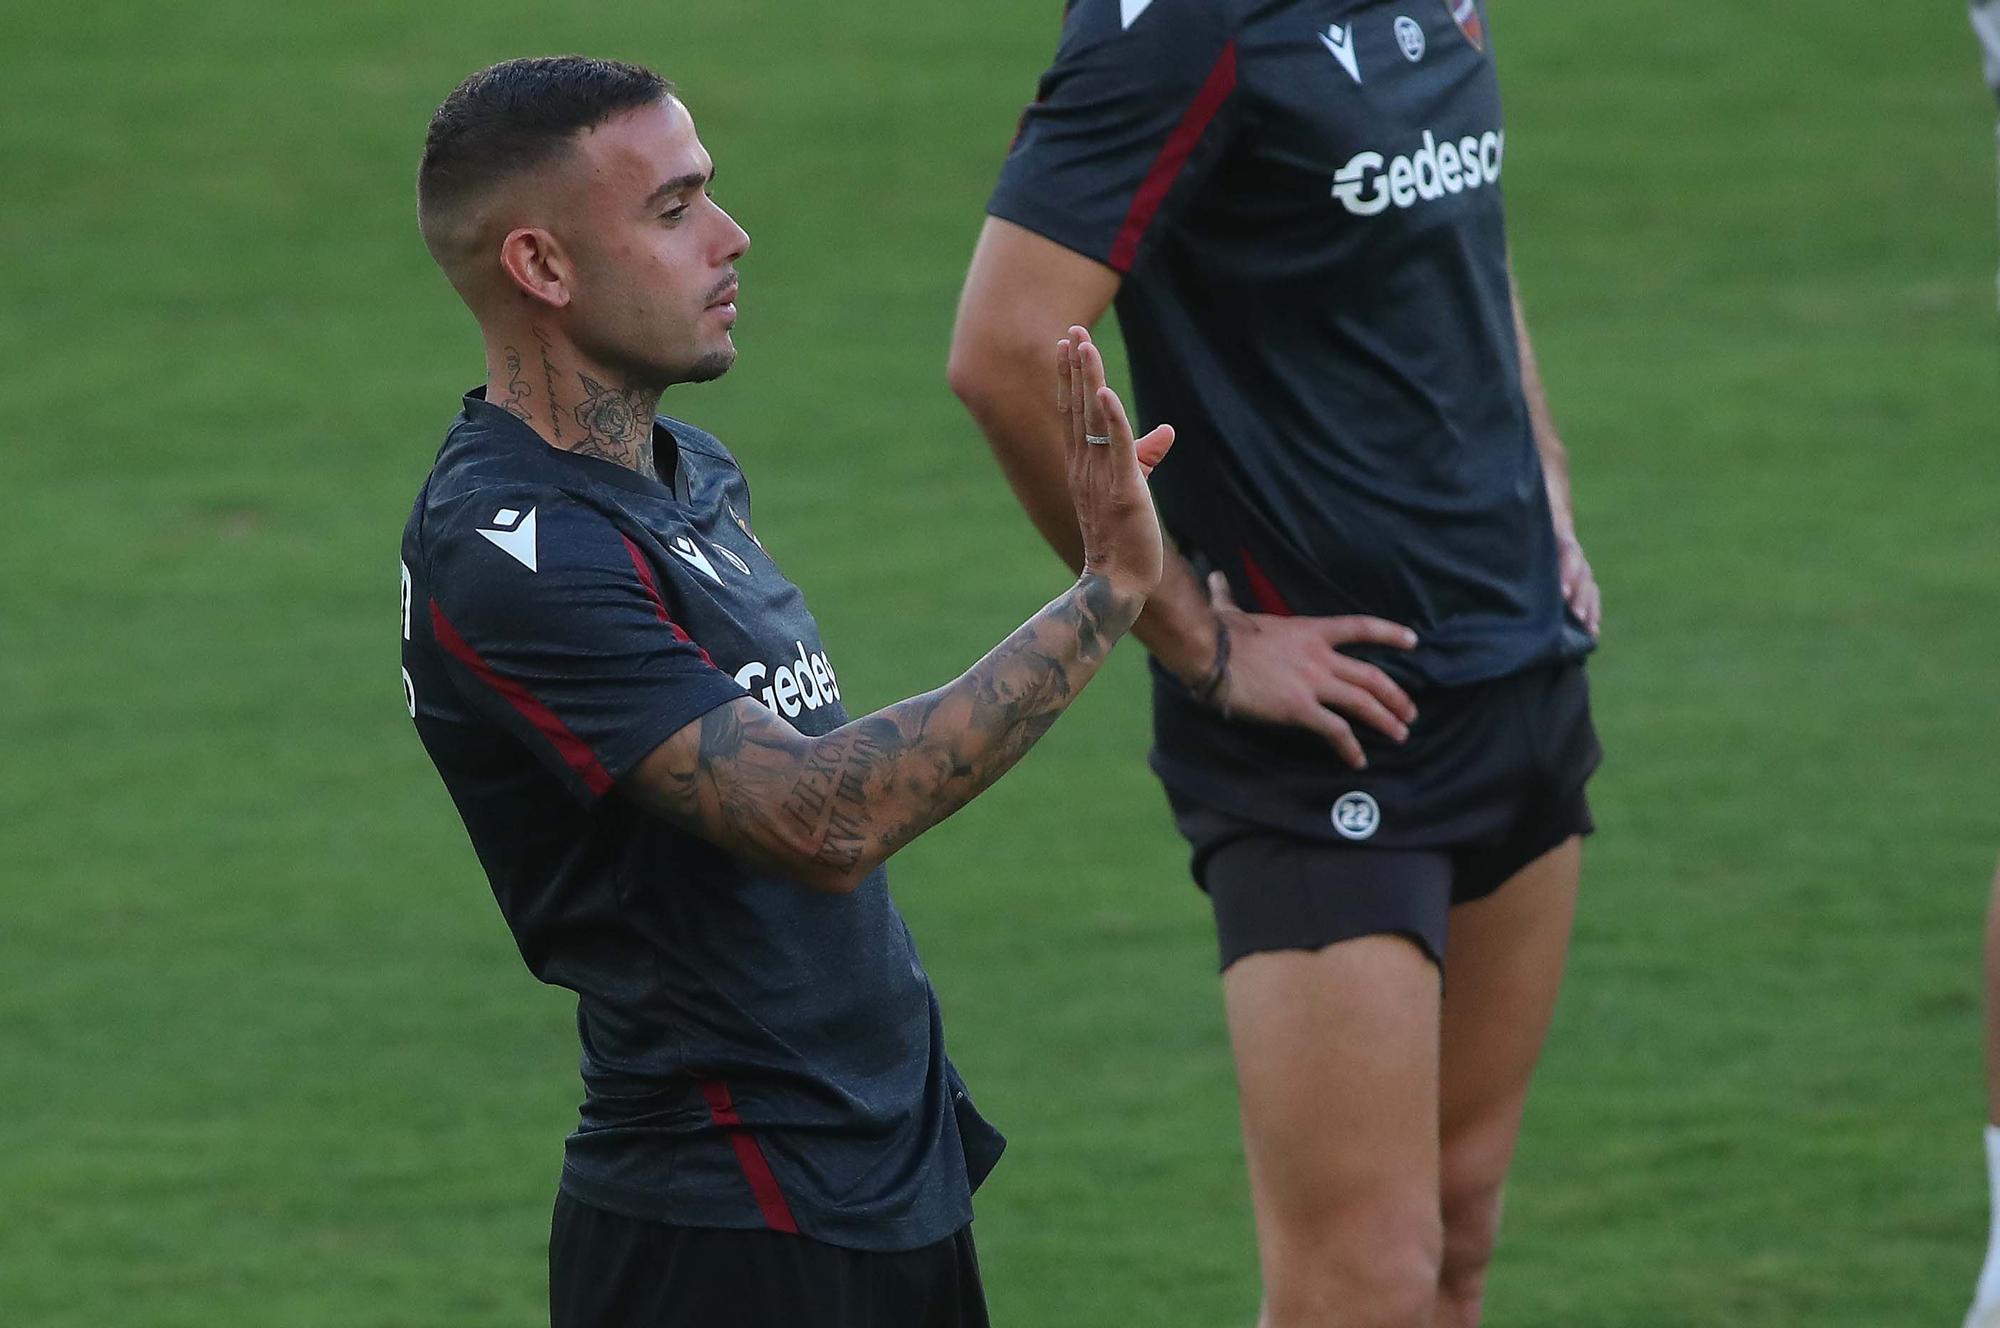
(739, 239)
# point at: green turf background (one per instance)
(266, 1054)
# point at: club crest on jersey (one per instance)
(1465, 13)
(743, 525)
(1410, 37)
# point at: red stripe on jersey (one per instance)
(1263, 589)
(750, 1156)
(1173, 157)
(573, 750)
(645, 571)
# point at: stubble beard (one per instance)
(657, 376)
(710, 367)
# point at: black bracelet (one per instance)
(1218, 672)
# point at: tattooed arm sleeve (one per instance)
(827, 811)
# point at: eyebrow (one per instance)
(679, 184)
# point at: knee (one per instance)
(1471, 1231)
(1379, 1274)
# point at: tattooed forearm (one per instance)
(518, 391)
(829, 801)
(617, 424)
(828, 810)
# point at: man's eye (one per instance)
(674, 213)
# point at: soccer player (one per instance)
(1379, 758)
(644, 734)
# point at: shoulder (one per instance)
(693, 438)
(493, 534)
(1147, 24)
(1112, 16)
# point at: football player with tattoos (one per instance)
(644, 734)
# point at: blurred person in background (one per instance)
(1985, 1312)
(637, 719)
(1370, 707)
(1986, 23)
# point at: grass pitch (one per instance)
(268, 1055)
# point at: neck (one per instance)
(540, 379)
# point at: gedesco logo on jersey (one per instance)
(803, 683)
(1370, 183)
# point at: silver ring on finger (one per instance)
(1098, 439)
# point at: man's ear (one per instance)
(537, 266)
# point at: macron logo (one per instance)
(514, 535)
(690, 553)
(1340, 41)
(1129, 10)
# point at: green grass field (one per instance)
(267, 1056)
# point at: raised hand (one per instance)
(1107, 471)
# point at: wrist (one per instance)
(1212, 688)
(1114, 603)
(1180, 633)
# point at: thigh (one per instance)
(1336, 1059)
(1503, 968)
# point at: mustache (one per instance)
(722, 287)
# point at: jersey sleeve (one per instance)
(1127, 122)
(552, 626)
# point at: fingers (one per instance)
(1062, 380)
(1154, 446)
(1079, 391)
(1358, 629)
(1377, 685)
(1337, 733)
(1579, 586)
(1360, 704)
(1586, 601)
(1068, 409)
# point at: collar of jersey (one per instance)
(490, 417)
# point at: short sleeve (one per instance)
(552, 626)
(1127, 122)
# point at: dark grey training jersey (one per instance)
(754, 1054)
(1304, 199)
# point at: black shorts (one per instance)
(610, 1271)
(1492, 778)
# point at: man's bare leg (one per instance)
(1337, 1063)
(1503, 968)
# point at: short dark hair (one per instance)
(517, 115)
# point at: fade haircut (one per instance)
(514, 117)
